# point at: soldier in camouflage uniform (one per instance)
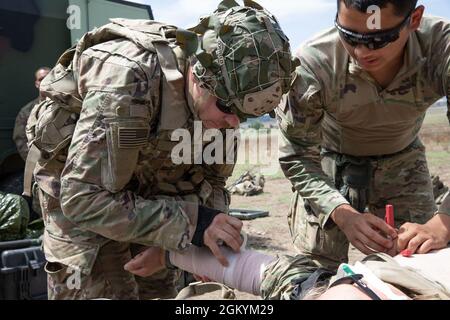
(120, 190)
(362, 98)
(19, 134)
(248, 184)
(20, 137)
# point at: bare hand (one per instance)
(365, 231)
(147, 262)
(223, 228)
(417, 238)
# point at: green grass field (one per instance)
(436, 136)
(436, 116)
(438, 159)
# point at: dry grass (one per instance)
(435, 134)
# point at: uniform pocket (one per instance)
(329, 243)
(304, 225)
(70, 252)
(125, 138)
(311, 232)
(54, 267)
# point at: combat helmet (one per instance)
(243, 58)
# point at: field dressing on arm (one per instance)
(244, 273)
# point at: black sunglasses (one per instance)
(375, 40)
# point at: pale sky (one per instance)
(300, 19)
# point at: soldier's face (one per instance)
(359, 22)
(39, 76)
(209, 113)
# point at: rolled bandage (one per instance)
(244, 271)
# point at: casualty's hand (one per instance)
(418, 238)
(364, 231)
(223, 228)
(147, 262)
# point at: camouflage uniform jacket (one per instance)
(19, 135)
(119, 181)
(336, 104)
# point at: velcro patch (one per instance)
(130, 138)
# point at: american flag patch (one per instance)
(130, 138)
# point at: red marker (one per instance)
(389, 216)
(406, 253)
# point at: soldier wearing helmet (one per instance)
(120, 191)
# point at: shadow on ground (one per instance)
(262, 243)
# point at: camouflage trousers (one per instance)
(402, 180)
(108, 279)
(279, 278)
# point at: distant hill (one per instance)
(266, 120)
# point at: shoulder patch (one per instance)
(130, 138)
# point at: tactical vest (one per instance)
(52, 124)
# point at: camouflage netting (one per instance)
(13, 184)
(244, 58)
(14, 217)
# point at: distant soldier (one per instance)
(19, 135)
(248, 184)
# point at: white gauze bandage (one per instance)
(244, 271)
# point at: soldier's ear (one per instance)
(416, 18)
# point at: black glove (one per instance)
(205, 217)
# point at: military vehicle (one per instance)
(34, 33)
